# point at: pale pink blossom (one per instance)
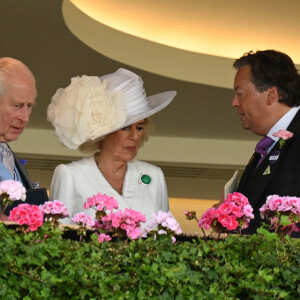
(163, 223)
(120, 223)
(283, 134)
(101, 202)
(277, 206)
(247, 211)
(82, 219)
(285, 205)
(134, 233)
(58, 207)
(129, 221)
(275, 202)
(103, 237)
(54, 208)
(14, 190)
(172, 224)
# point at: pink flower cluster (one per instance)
(127, 221)
(234, 213)
(190, 215)
(52, 208)
(83, 219)
(26, 214)
(14, 190)
(103, 237)
(163, 223)
(283, 134)
(101, 202)
(283, 204)
(166, 220)
(276, 205)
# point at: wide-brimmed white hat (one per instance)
(92, 107)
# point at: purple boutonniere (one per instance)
(283, 135)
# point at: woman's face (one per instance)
(123, 144)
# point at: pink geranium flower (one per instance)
(104, 237)
(101, 202)
(234, 213)
(83, 219)
(53, 211)
(163, 223)
(232, 222)
(14, 190)
(276, 207)
(26, 214)
(10, 191)
(54, 208)
(123, 223)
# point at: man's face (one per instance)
(16, 106)
(250, 104)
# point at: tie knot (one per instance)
(263, 145)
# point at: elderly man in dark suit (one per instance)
(17, 98)
(267, 98)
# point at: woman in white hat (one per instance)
(108, 117)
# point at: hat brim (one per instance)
(156, 103)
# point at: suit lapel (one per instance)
(25, 178)
(23, 173)
(264, 174)
(266, 170)
(248, 170)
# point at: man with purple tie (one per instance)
(267, 98)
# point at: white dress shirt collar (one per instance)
(283, 123)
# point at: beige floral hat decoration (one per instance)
(92, 107)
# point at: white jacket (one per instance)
(75, 182)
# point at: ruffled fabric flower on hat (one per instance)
(85, 110)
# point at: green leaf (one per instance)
(284, 220)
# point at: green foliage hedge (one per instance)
(260, 266)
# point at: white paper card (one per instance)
(231, 185)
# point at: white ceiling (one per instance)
(35, 32)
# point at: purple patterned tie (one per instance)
(262, 147)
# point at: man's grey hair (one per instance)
(8, 68)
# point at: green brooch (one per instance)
(145, 179)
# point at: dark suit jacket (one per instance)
(283, 180)
(23, 173)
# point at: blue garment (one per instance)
(6, 175)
